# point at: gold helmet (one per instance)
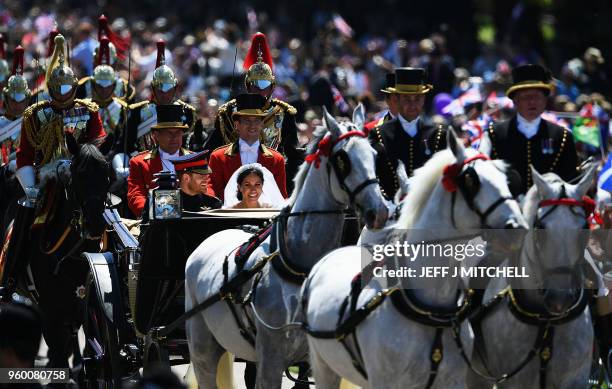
(17, 87)
(4, 67)
(60, 78)
(258, 64)
(163, 77)
(112, 54)
(104, 74)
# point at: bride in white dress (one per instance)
(252, 186)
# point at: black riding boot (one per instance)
(603, 335)
(302, 376)
(250, 375)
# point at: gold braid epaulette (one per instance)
(185, 105)
(89, 104)
(46, 139)
(290, 109)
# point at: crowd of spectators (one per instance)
(328, 60)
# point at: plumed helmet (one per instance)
(119, 45)
(4, 67)
(60, 78)
(163, 77)
(17, 87)
(258, 63)
(112, 53)
(104, 74)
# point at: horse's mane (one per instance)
(530, 203)
(88, 155)
(422, 184)
(300, 176)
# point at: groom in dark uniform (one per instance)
(406, 138)
(527, 139)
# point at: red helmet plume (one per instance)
(259, 47)
(18, 61)
(2, 48)
(103, 57)
(121, 44)
(161, 53)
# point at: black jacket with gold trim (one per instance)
(551, 149)
(392, 143)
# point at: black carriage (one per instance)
(135, 291)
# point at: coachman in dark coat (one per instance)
(527, 139)
(406, 138)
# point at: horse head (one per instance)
(88, 187)
(474, 187)
(352, 176)
(558, 211)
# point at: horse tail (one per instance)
(346, 384)
(225, 369)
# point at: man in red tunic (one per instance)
(168, 135)
(225, 160)
(50, 127)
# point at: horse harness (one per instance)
(455, 176)
(544, 321)
(288, 270)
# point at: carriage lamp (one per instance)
(165, 200)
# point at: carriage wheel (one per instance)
(103, 364)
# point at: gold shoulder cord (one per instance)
(529, 178)
(46, 139)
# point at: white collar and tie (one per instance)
(528, 128)
(411, 127)
(248, 153)
(166, 164)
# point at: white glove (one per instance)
(27, 179)
(121, 165)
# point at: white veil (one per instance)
(271, 194)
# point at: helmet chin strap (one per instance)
(65, 104)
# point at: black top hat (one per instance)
(530, 76)
(250, 104)
(170, 116)
(410, 81)
(194, 162)
(389, 83)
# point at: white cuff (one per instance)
(26, 176)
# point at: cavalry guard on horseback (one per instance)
(113, 110)
(15, 95)
(143, 115)
(51, 130)
(116, 49)
(280, 130)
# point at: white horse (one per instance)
(552, 261)
(339, 173)
(396, 351)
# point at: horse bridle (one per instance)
(458, 176)
(340, 163)
(588, 206)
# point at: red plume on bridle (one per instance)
(2, 48)
(259, 44)
(121, 44)
(161, 53)
(51, 45)
(103, 57)
(18, 61)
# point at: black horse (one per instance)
(73, 201)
